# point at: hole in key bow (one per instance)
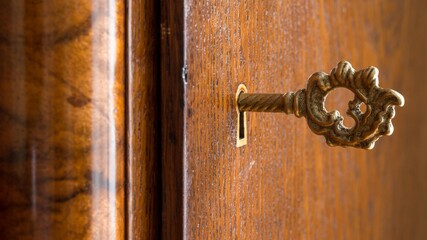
(338, 99)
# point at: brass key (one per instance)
(310, 103)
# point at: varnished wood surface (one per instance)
(62, 119)
(143, 149)
(172, 117)
(287, 183)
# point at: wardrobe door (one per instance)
(62, 119)
(286, 182)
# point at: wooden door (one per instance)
(62, 119)
(286, 183)
(79, 122)
(118, 120)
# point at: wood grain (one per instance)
(143, 149)
(62, 119)
(287, 183)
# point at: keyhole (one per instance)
(242, 133)
(338, 99)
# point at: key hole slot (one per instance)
(241, 125)
(241, 120)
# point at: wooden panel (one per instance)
(62, 119)
(143, 157)
(286, 183)
(172, 117)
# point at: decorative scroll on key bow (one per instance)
(310, 103)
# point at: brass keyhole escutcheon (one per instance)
(242, 133)
(370, 124)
